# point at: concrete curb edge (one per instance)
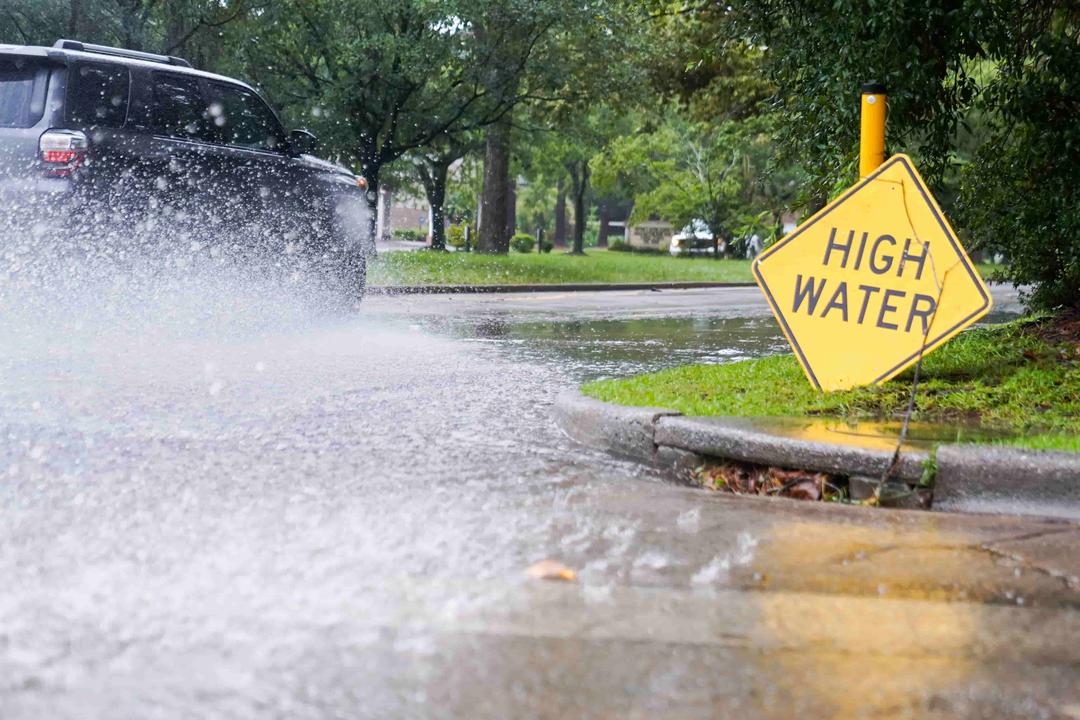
(982, 472)
(676, 443)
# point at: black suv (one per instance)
(141, 140)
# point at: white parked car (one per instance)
(694, 239)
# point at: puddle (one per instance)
(875, 435)
(597, 349)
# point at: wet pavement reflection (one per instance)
(593, 349)
(284, 512)
(875, 435)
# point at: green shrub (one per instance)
(409, 235)
(623, 246)
(455, 236)
(522, 242)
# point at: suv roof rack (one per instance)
(120, 52)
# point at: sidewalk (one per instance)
(398, 246)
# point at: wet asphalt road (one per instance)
(224, 501)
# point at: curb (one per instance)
(1046, 480)
(557, 287)
(672, 441)
(980, 473)
(737, 439)
(619, 429)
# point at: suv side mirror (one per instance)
(303, 141)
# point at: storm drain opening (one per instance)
(742, 478)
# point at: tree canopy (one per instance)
(1009, 68)
(722, 112)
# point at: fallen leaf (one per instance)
(750, 479)
(551, 570)
(805, 490)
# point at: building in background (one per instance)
(651, 234)
(400, 210)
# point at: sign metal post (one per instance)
(871, 128)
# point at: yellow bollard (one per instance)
(872, 128)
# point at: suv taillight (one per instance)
(62, 151)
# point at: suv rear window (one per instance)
(22, 92)
(98, 94)
(177, 108)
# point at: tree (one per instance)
(172, 27)
(526, 42)
(578, 60)
(560, 212)
(580, 139)
(494, 234)
(379, 78)
(687, 172)
(507, 31)
(432, 167)
(1018, 196)
(560, 157)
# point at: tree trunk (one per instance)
(579, 225)
(75, 19)
(579, 177)
(372, 197)
(560, 213)
(493, 238)
(370, 168)
(435, 189)
(175, 29)
(602, 233)
(133, 26)
(511, 207)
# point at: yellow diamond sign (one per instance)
(872, 281)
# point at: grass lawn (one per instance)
(597, 266)
(423, 267)
(1021, 377)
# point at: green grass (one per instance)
(1004, 378)
(597, 266)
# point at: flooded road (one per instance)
(214, 507)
